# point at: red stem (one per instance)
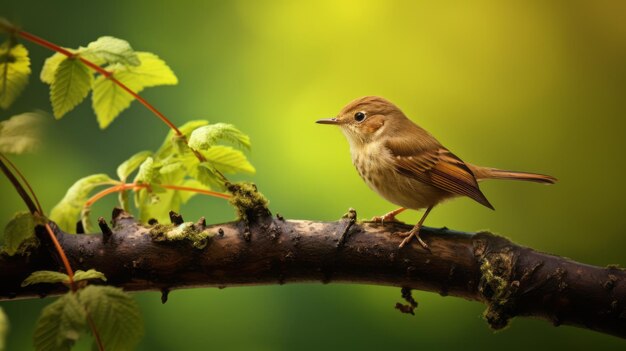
(128, 186)
(105, 192)
(66, 263)
(196, 190)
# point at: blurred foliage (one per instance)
(533, 85)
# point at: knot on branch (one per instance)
(248, 201)
(497, 266)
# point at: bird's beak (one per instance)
(328, 121)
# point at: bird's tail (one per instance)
(493, 173)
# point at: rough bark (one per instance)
(510, 279)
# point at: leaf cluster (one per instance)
(71, 79)
(77, 72)
(164, 179)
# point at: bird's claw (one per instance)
(409, 235)
(388, 217)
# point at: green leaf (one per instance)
(66, 212)
(157, 206)
(144, 198)
(130, 165)
(110, 50)
(85, 219)
(122, 198)
(220, 158)
(171, 166)
(150, 73)
(228, 160)
(19, 234)
(191, 183)
(50, 277)
(21, 133)
(14, 72)
(4, 329)
(189, 127)
(207, 136)
(205, 173)
(143, 202)
(51, 65)
(167, 149)
(71, 84)
(109, 99)
(148, 172)
(60, 324)
(90, 274)
(115, 314)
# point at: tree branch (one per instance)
(510, 279)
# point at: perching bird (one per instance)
(406, 165)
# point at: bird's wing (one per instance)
(438, 167)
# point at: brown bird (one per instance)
(406, 165)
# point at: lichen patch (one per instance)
(187, 232)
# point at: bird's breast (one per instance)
(375, 165)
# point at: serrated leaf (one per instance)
(90, 274)
(21, 133)
(129, 166)
(228, 160)
(50, 277)
(167, 148)
(207, 136)
(51, 65)
(4, 329)
(110, 50)
(71, 84)
(67, 211)
(115, 314)
(109, 99)
(60, 324)
(19, 234)
(14, 72)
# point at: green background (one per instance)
(529, 85)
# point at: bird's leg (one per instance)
(389, 216)
(415, 232)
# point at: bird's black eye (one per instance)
(359, 116)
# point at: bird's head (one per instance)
(363, 119)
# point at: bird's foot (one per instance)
(388, 217)
(415, 232)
